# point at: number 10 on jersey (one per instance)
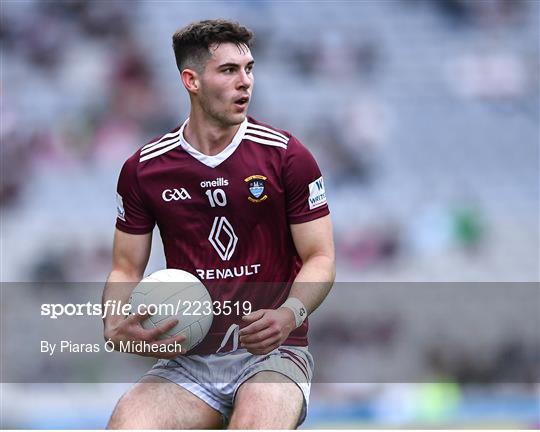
(216, 197)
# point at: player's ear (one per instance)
(190, 79)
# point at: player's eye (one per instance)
(249, 69)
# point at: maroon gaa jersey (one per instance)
(225, 218)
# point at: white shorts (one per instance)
(215, 378)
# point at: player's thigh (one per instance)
(156, 403)
(268, 400)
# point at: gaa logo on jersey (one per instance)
(175, 194)
(256, 188)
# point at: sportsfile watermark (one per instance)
(361, 333)
(119, 308)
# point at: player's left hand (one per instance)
(267, 329)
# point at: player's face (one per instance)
(226, 84)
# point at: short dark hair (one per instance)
(191, 43)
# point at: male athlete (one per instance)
(241, 205)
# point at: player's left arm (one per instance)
(314, 243)
(269, 328)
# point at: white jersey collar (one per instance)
(213, 161)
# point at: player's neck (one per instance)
(207, 137)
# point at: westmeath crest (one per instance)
(256, 185)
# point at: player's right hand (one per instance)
(131, 330)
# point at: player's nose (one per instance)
(244, 80)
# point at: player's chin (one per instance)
(239, 112)
(238, 117)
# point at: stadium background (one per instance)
(422, 114)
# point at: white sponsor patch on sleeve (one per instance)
(120, 212)
(317, 195)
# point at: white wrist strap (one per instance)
(298, 308)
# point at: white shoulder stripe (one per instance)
(158, 145)
(169, 135)
(264, 128)
(266, 135)
(264, 141)
(159, 152)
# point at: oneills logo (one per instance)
(256, 188)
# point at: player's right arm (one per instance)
(130, 256)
